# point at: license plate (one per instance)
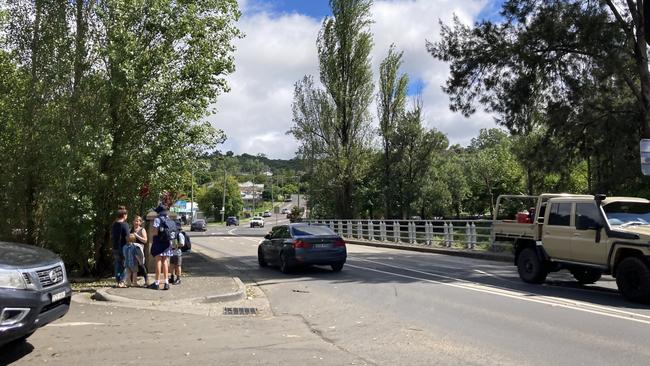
(58, 296)
(321, 245)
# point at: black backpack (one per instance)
(188, 243)
(167, 231)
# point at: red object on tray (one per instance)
(523, 218)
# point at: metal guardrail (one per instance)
(458, 234)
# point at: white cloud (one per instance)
(280, 48)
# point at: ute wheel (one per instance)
(633, 279)
(586, 276)
(337, 267)
(284, 266)
(530, 266)
(260, 258)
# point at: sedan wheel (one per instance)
(284, 266)
(337, 267)
(260, 258)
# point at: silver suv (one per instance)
(34, 290)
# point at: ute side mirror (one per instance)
(267, 236)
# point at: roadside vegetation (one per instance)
(102, 104)
(567, 82)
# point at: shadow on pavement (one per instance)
(443, 269)
(14, 351)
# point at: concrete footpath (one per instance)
(204, 280)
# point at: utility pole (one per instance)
(299, 196)
(223, 201)
(192, 199)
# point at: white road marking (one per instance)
(517, 295)
(73, 324)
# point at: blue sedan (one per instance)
(302, 244)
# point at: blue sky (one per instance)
(280, 48)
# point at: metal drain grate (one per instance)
(239, 311)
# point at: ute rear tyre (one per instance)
(586, 276)
(337, 267)
(633, 279)
(530, 267)
(260, 258)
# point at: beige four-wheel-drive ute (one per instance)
(587, 235)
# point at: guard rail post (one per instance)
(468, 235)
(340, 232)
(445, 231)
(396, 232)
(427, 232)
(359, 229)
(371, 230)
(451, 234)
(382, 229)
(349, 229)
(411, 229)
(473, 242)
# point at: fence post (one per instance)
(340, 232)
(445, 231)
(396, 232)
(382, 229)
(349, 229)
(359, 229)
(473, 235)
(451, 234)
(468, 236)
(427, 232)
(410, 226)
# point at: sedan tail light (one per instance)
(339, 243)
(299, 244)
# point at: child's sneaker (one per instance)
(177, 282)
(166, 287)
(153, 286)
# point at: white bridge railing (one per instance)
(459, 234)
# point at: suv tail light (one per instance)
(299, 244)
(339, 243)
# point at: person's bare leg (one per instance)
(165, 266)
(159, 264)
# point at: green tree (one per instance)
(492, 169)
(105, 97)
(332, 124)
(576, 70)
(391, 107)
(210, 199)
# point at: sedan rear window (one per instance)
(309, 230)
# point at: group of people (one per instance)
(168, 241)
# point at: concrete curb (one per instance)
(454, 252)
(239, 294)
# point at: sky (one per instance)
(279, 48)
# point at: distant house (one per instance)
(250, 193)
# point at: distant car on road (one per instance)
(267, 214)
(34, 290)
(288, 199)
(302, 244)
(257, 221)
(285, 211)
(232, 221)
(199, 225)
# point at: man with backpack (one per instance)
(165, 233)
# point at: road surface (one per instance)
(394, 307)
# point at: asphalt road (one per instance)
(245, 230)
(391, 307)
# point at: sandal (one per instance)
(121, 285)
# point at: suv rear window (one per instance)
(309, 230)
(560, 214)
